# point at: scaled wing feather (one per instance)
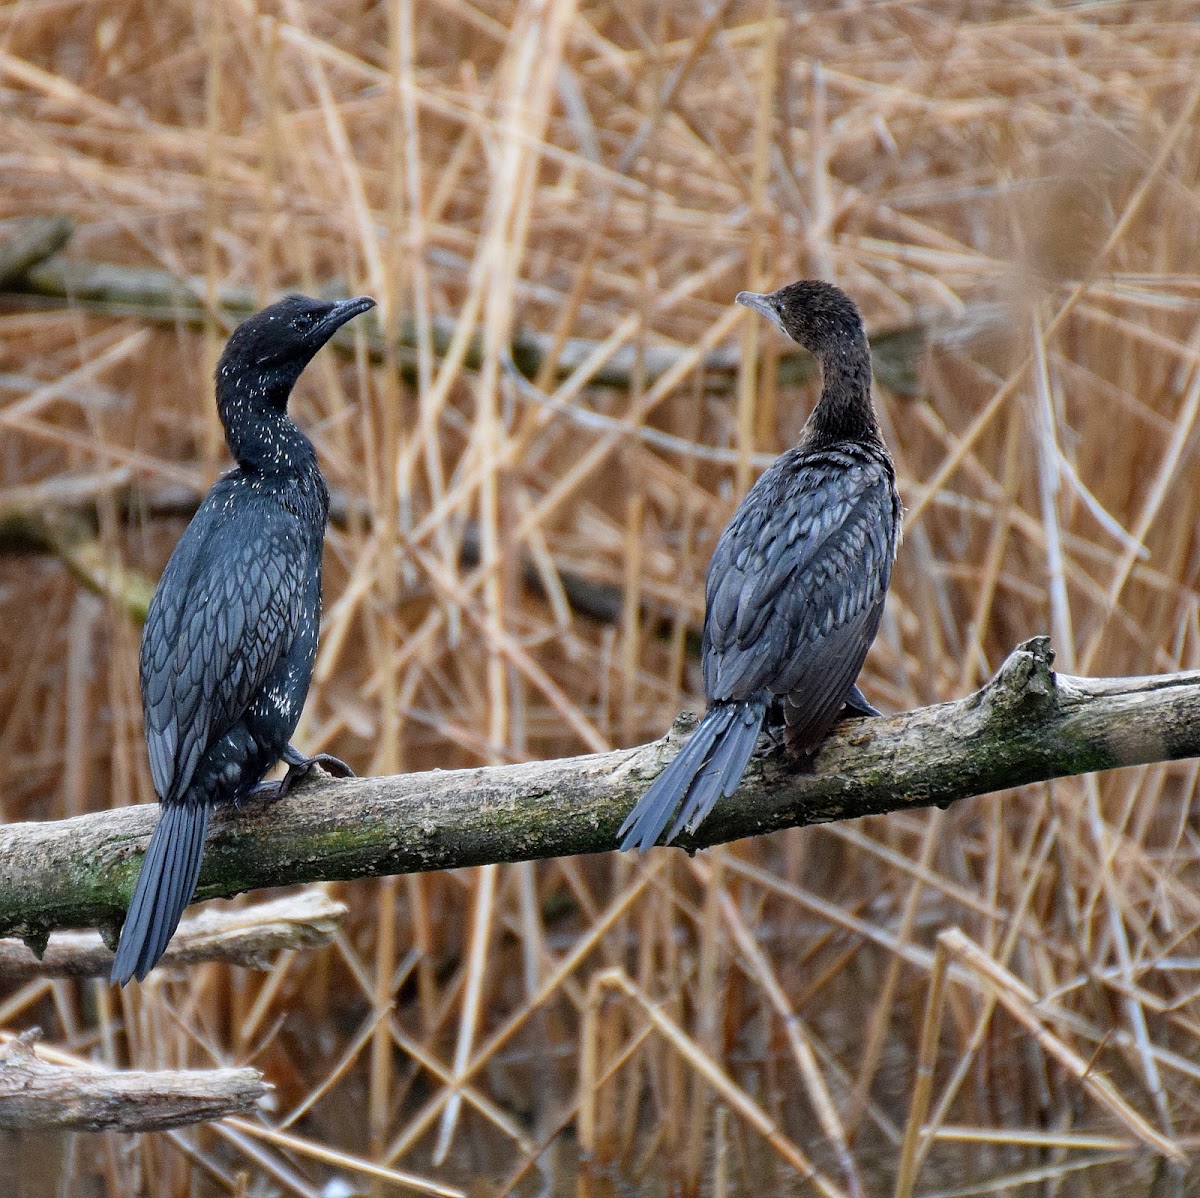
(200, 674)
(786, 602)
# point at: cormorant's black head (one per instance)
(816, 315)
(267, 353)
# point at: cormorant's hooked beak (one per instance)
(760, 303)
(341, 312)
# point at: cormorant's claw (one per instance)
(261, 792)
(332, 765)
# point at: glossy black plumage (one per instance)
(797, 582)
(231, 633)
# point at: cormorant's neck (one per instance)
(259, 433)
(845, 411)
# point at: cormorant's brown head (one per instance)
(816, 315)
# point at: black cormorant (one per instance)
(797, 582)
(231, 633)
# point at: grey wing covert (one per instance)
(797, 586)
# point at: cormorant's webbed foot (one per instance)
(299, 767)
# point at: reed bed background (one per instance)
(1015, 182)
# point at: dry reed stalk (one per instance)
(981, 168)
(1018, 1000)
(931, 1030)
(343, 1160)
(706, 1068)
(798, 1041)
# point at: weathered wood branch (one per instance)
(67, 530)
(31, 266)
(31, 240)
(60, 517)
(78, 1096)
(1024, 726)
(249, 936)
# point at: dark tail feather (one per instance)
(727, 736)
(164, 888)
(720, 777)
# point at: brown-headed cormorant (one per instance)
(797, 582)
(231, 633)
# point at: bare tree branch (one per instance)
(31, 240)
(60, 517)
(1024, 726)
(30, 266)
(249, 936)
(39, 1093)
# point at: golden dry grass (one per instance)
(1021, 178)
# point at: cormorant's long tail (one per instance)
(709, 767)
(164, 888)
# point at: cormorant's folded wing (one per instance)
(798, 578)
(226, 609)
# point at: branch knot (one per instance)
(1025, 683)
